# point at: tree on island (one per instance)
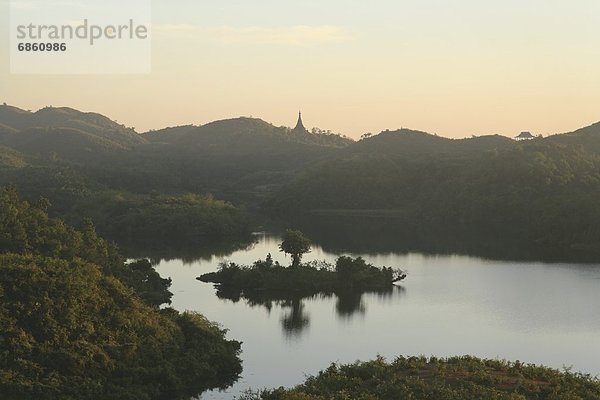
(296, 244)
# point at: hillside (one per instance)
(240, 133)
(67, 144)
(241, 159)
(78, 322)
(410, 143)
(63, 117)
(10, 158)
(539, 195)
(587, 137)
(169, 134)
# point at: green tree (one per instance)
(296, 244)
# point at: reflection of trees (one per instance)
(378, 235)
(295, 318)
(349, 302)
(203, 251)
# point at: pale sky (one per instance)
(452, 67)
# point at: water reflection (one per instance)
(296, 319)
(349, 303)
(202, 251)
(376, 235)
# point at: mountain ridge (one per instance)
(14, 118)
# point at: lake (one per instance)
(448, 305)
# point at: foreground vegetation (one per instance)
(420, 378)
(78, 322)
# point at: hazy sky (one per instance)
(452, 67)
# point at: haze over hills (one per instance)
(409, 143)
(63, 132)
(91, 131)
(542, 191)
(11, 158)
(64, 117)
(240, 133)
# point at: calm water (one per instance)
(449, 305)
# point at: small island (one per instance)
(267, 276)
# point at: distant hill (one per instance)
(539, 194)
(93, 124)
(406, 142)
(239, 158)
(66, 144)
(241, 133)
(168, 135)
(588, 137)
(13, 116)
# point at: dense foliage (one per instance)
(537, 194)
(77, 322)
(133, 220)
(268, 276)
(295, 244)
(162, 220)
(27, 229)
(420, 378)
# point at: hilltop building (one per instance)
(524, 136)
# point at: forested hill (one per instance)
(80, 323)
(73, 136)
(240, 160)
(65, 134)
(541, 193)
(240, 133)
(140, 187)
(67, 118)
(588, 138)
(410, 143)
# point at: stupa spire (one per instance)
(299, 125)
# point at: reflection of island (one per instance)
(349, 302)
(296, 320)
(188, 254)
(381, 234)
(266, 283)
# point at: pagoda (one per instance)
(299, 125)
